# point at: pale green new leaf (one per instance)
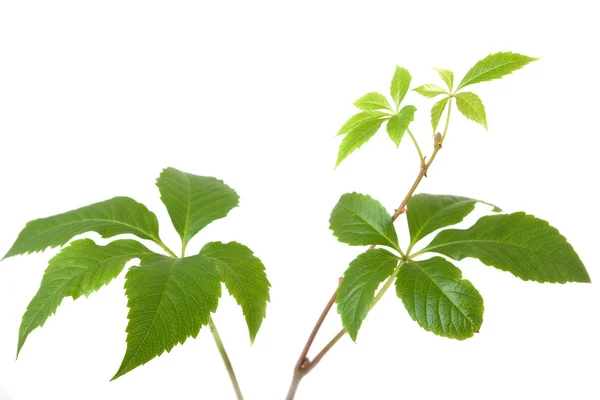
(436, 112)
(169, 300)
(79, 269)
(398, 124)
(109, 218)
(470, 105)
(245, 278)
(360, 220)
(521, 244)
(400, 85)
(447, 76)
(194, 201)
(495, 66)
(360, 118)
(355, 138)
(373, 101)
(430, 90)
(438, 299)
(427, 213)
(357, 289)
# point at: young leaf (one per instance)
(245, 278)
(447, 76)
(398, 124)
(373, 101)
(194, 201)
(495, 66)
(360, 118)
(359, 220)
(427, 213)
(109, 218)
(470, 105)
(357, 137)
(357, 289)
(436, 112)
(430, 90)
(400, 85)
(169, 300)
(438, 299)
(521, 244)
(78, 270)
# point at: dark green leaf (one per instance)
(470, 105)
(356, 138)
(521, 244)
(357, 289)
(436, 112)
(194, 201)
(400, 85)
(169, 300)
(447, 76)
(109, 218)
(360, 118)
(398, 124)
(495, 66)
(245, 278)
(359, 220)
(373, 101)
(427, 213)
(438, 299)
(430, 90)
(78, 270)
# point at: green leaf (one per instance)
(357, 289)
(169, 300)
(360, 118)
(373, 101)
(359, 220)
(430, 90)
(109, 218)
(78, 270)
(521, 244)
(495, 66)
(356, 138)
(400, 85)
(245, 278)
(470, 105)
(427, 213)
(447, 76)
(398, 124)
(194, 201)
(436, 112)
(438, 299)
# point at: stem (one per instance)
(225, 357)
(304, 365)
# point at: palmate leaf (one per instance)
(357, 289)
(430, 90)
(78, 270)
(373, 101)
(360, 220)
(358, 119)
(521, 244)
(470, 105)
(398, 124)
(169, 300)
(436, 112)
(194, 201)
(245, 278)
(447, 76)
(355, 138)
(438, 299)
(427, 213)
(119, 215)
(495, 66)
(400, 85)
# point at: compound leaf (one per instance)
(109, 218)
(400, 85)
(373, 101)
(357, 289)
(495, 66)
(438, 299)
(398, 124)
(470, 105)
(79, 269)
(169, 300)
(245, 278)
(521, 244)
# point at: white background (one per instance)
(97, 97)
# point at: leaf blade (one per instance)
(357, 119)
(399, 123)
(471, 106)
(447, 76)
(373, 101)
(400, 85)
(436, 112)
(356, 138)
(430, 90)
(495, 66)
